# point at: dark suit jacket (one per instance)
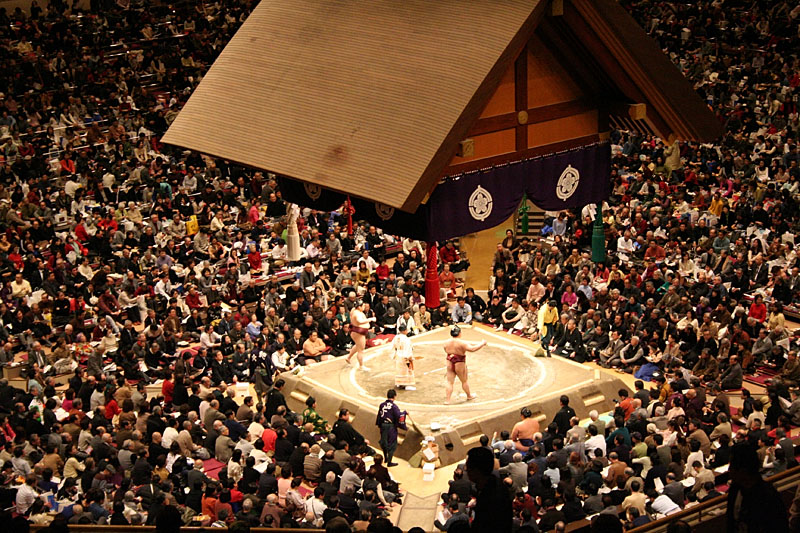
(675, 491)
(462, 488)
(760, 275)
(550, 519)
(575, 341)
(267, 484)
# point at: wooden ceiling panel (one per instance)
(350, 95)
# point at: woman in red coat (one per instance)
(758, 310)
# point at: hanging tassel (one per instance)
(348, 206)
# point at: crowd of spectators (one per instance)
(127, 263)
(658, 453)
(701, 268)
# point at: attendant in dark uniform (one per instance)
(344, 431)
(275, 399)
(389, 419)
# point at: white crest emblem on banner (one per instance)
(480, 204)
(568, 183)
(313, 190)
(384, 211)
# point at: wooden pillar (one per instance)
(432, 275)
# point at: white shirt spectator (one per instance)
(279, 252)
(71, 187)
(624, 245)
(312, 251)
(411, 326)
(554, 475)
(21, 289)
(593, 443)
(755, 415)
(96, 399)
(280, 361)
(26, 495)
(461, 314)
(316, 506)
(207, 340)
(350, 479)
(109, 180)
(246, 447)
(412, 244)
(259, 455)
(216, 224)
(255, 429)
(664, 505)
(169, 436)
(190, 182)
(83, 440)
(694, 456)
(371, 263)
(163, 287)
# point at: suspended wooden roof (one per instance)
(373, 98)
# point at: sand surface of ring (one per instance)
(495, 371)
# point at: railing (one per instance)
(93, 528)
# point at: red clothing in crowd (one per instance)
(80, 233)
(758, 311)
(112, 409)
(167, 390)
(209, 507)
(108, 224)
(447, 278)
(75, 305)
(448, 255)
(17, 260)
(253, 215)
(382, 271)
(627, 407)
(68, 166)
(254, 258)
(268, 438)
(193, 300)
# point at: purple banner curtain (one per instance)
(479, 200)
(570, 179)
(309, 195)
(476, 201)
(390, 220)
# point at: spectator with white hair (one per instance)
(631, 355)
(517, 471)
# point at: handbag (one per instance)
(192, 225)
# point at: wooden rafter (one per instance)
(571, 53)
(536, 115)
(528, 153)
